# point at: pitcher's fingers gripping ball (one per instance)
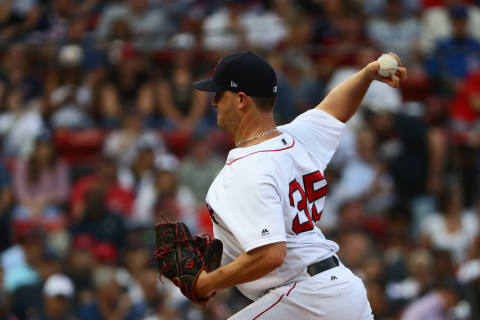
(388, 65)
(181, 257)
(388, 69)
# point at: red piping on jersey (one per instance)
(293, 143)
(273, 305)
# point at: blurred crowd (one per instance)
(102, 136)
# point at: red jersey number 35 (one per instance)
(307, 196)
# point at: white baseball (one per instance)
(388, 65)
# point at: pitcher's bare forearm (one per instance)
(247, 267)
(343, 101)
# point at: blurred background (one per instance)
(101, 135)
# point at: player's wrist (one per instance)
(203, 288)
(369, 71)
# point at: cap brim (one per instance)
(206, 85)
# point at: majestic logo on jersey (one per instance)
(265, 232)
(233, 84)
(333, 278)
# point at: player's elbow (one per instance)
(269, 257)
(277, 255)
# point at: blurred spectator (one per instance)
(265, 29)
(18, 18)
(148, 25)
(306, 91)
(80, 264)
(123, 145)
(4, 305)
(199, 168)
(469, 275)
(164, 199)
(182, 106)
(105, 253)
(395, 32)
(438, 24)
(147, 298)
(41, 183)
(377, 7)
(445, 267)
(20, 124)
(105, 104)
(118, 198)
(111, 301)
(465, 134)
(357, 247)
(81, 95)
(98, 221)
(17, 260)
(69, 101)
(435, 305)
(399, 243)
(6, 206)
(27, 299)
(140, 172)
(407, 145)
(130, 77)
(55, 21)
(58, 293)
(420, 265)
(465, 111)
(237, 25)
(341, 34)
(136, 254)
(378, 300)
(223, 29)
(454, 56)
(16, 72)
(377, 185)
(451, 229)
(373, 268)
(78, 35)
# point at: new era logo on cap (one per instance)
(242, 71)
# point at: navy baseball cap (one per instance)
(242, 71)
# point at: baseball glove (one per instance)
(181, 257)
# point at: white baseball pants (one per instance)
(335, 294)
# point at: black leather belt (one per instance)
(322, 265)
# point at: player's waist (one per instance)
(322, 265)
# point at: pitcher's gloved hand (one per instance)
(181, 257)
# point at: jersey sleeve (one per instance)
(318, 131)
(255, 215)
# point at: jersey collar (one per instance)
(278, 143)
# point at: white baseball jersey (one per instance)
(273, 192)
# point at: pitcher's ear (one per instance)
(243, 98)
